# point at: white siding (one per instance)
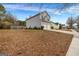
(34, 22)
(41, 20)
(55, 26)
(46, 25)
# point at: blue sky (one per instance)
(59, 12)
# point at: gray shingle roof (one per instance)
(37, 15)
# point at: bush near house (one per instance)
(51, 27)
(60, 26)
(42, 27)
(35, 28)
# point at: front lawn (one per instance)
(34, 42)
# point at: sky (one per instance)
(59, 12)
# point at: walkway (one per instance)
(74, 47)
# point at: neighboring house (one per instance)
(75, 26)
(63, 26)
(41, 20)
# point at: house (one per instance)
(41, 20)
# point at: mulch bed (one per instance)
(34, 43)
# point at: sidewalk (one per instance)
(74, 47)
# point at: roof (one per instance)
(37, 15)
(47, 21)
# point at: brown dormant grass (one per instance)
(33, 42)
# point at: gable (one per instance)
(43, 15)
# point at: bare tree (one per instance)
(2, 13)
(10, 18)
(7, 21)
(77, 21)
(70, 22)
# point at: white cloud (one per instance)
(71, 9)
(19, 7)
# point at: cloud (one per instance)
(68, 8)
(71, 9)
(20, 7)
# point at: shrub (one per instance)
(51, 27)
(35, 28)
(42, 27)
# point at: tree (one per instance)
(70, 22)
(2, 9)
(2, 13)
(8, 21)
(77, 21)
(10, 18)
(21, 23)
